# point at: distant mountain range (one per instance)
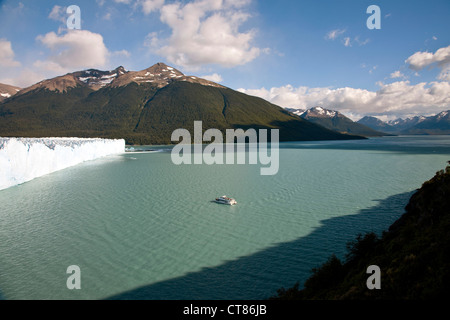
(373, 127)
(433, 125)
(143, 107)
(336, 121)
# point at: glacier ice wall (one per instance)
(23, 159)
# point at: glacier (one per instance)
(23, 159)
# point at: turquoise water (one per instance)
(140, 227)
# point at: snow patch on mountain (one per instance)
(442, 115)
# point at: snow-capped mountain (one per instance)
(336, 121)
(92, 78)
(438, 124)
(97, 79)
(159, 75)
(7, 91)
(442, 115)
(403, 124)
(319, 112)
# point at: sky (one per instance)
(294, 53)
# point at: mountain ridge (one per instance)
(144, 107)
(159, 74)
(418, 125)
(334, 120)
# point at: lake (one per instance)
(140, 227)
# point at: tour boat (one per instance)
(226, 200)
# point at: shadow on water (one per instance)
(259, 275)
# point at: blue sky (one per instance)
(295, 53)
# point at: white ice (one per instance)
(23, 159)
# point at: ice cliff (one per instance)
(23, 159)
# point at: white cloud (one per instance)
(58, 13)
(10, 9)
(445, 74)
(23, 79)
(149, 6)
(213, 77)
(333, 34)
(206, 32)
(360, 42)
(7, 54)
(397, 74)
(347, 42)
(122, 53)
(75, 49)
(441, 59)
(420, 60)
(49, 67)
(152, 41)
(399, 98)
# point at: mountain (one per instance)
(413, 256)
(336, 121)
(376, 124)
(297, 112)
(7, 91)
(94, 79)
(438, 124)
(160, 75)
(404, 124)
(143, 107)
